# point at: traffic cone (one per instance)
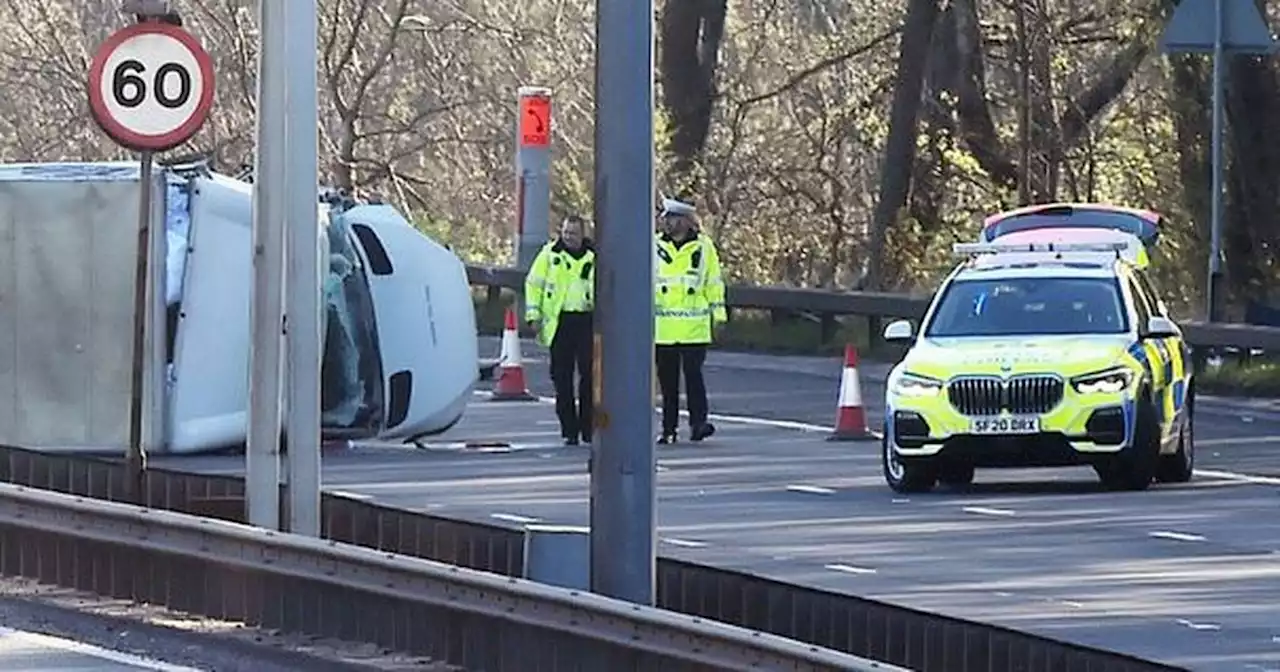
(851, 418)
(510, 385)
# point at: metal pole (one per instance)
(1214, 284)
(136, 457)
(623, 466)
(262, 455)
(302, 425)
(533, 174)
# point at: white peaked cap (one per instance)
(671, 206)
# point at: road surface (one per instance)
(22, 651)
(1185, 574)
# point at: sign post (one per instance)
(150, 89)
(302, 428)
(267, 310)
(623, 465)
(533, 173)
(1222, 28)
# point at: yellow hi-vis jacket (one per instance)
(689, 292)
(559, 281)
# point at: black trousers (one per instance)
(571, 349)
(672, 361)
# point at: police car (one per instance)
(1046, 347)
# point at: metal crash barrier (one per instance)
(862, 627)
(473, 619)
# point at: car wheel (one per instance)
(956, 475)
(1180, 466)
(1135, 467)
(906, 475)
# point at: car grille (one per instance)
(992, 396)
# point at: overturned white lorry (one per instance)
(399, 350)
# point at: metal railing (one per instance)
(469, 618)
(826, 305)
(859, 626)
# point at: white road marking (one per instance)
(684, 543)
(811, 489)
(1238, 441)
(513, 518)
(849, 569)
(1199, 626)
(1175, 536)
(351, 495)
(11, 640)
(1072, 604)
(810, 427)
(1238, 478)
(988, 511)
(899, 500)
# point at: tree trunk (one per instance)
(900, 148)
(691, 32)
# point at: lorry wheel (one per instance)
(1180, 466)
(1135, 467)
(906, 475)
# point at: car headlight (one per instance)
(911, 385)
(1109, 381)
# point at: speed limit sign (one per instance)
(151, 86)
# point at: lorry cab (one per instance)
(399, 335)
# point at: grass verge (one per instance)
(1254, 378)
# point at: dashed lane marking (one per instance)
(684, 543)
(1175, 536)
(811, 489)
(989, 511)
(514, 518)
(849, 569)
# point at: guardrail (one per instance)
(469, 618)
(862, 627)
(826, 305)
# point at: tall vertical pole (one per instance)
(266, 313)
(533, 173)
(136, 456)
(622, 465)
(1214, 285)
(302, 424)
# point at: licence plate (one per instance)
(1018, 424)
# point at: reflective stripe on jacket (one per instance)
(558, 281)
(689, 291)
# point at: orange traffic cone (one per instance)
(510, 385)
(851, 418)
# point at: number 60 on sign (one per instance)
(151, 86)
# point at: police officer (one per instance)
(559, 296)
(689, 298)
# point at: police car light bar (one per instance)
(969, 249)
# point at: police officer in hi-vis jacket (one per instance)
(559, 297)
(689, 299)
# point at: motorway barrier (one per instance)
(469, 618)
(826, 305)
(862, 627)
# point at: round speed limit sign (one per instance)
(151, 86)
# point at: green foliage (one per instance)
(1246, 379)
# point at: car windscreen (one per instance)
(1029, 306)
(351, 376)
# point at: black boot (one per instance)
(701, 431)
